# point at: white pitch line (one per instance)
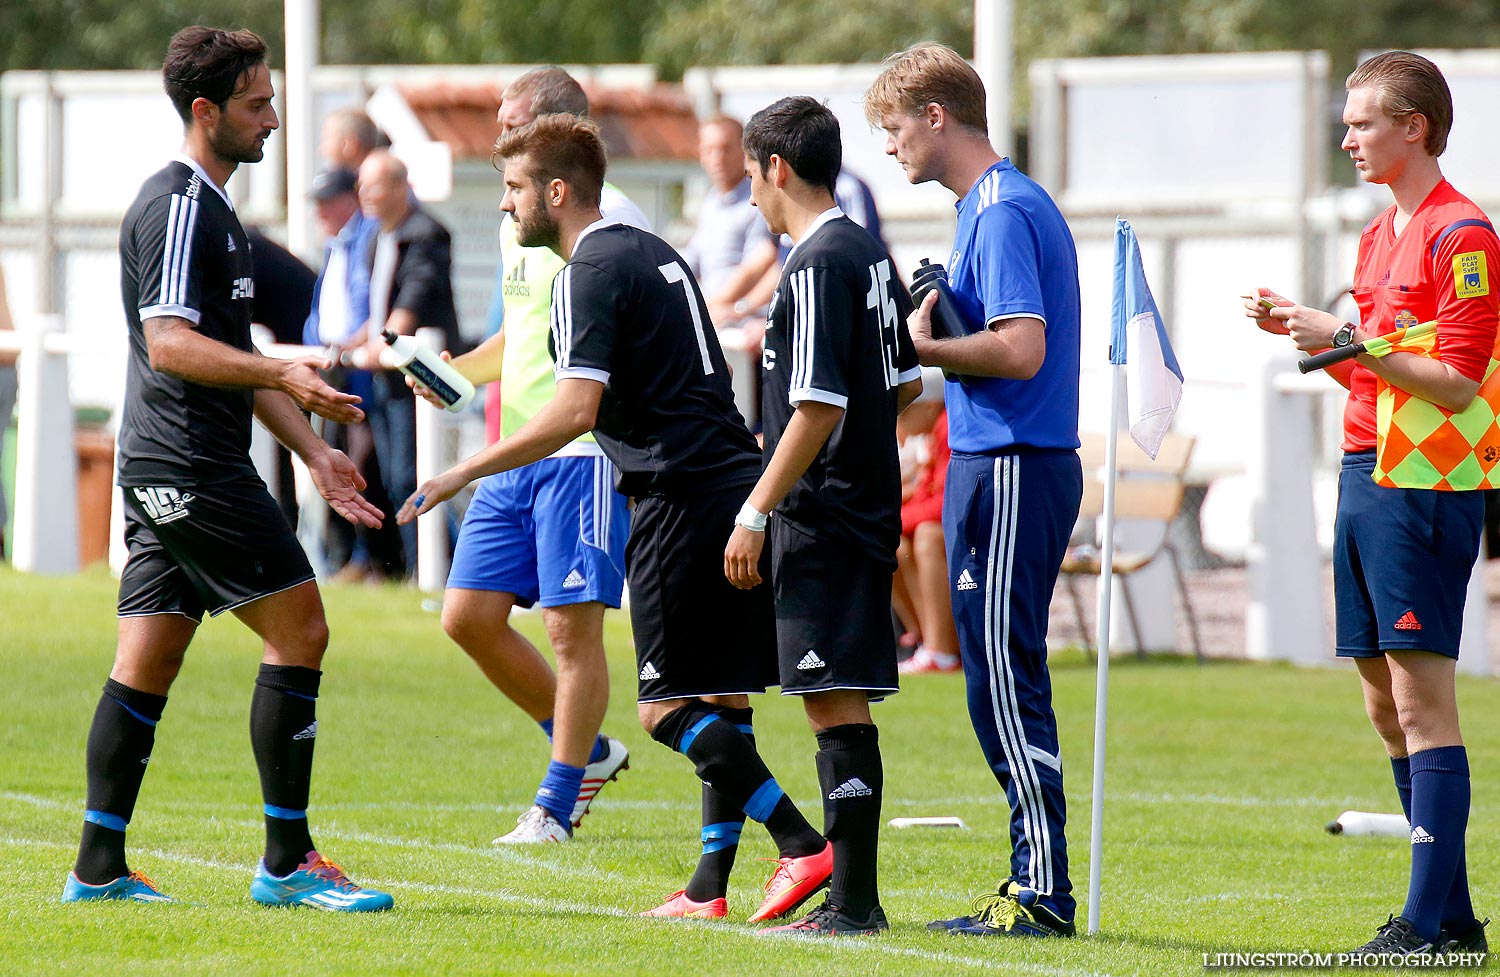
(510, 854)
(1219, 800)
(608, 804)
(872, 946)
(1341, 803)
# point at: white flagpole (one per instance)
(1101, 689)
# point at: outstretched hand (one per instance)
(429, 494)
(339, 483)
(302, 382)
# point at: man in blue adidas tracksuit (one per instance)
(1014, 482)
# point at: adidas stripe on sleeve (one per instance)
(821, 313)
(583, 323)
(166, 248)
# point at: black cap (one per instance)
(332, 183)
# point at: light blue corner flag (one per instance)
(1138, 341)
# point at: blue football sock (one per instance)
(1458, 913)
(559, 791)
(1439, 817)
(601, 747)
(1401, 771)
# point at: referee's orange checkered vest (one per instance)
(1423, 446)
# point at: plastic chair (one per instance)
(1145, 490)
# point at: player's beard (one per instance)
(233, 148)
(537, 230)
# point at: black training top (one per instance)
(836, 334)
(627, 313)
(184, 254)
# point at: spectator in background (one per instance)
(742, 296)
(858, 203)
(283, 303)
(349, 135)
(411, 287)
(730, 229)
(922, 558)
(283, 294)
(339, 313)
(7, 400)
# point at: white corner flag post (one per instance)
(1141, 359)
(1101, 681)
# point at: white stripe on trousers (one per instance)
(1006, 475)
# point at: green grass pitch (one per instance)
(1220, 780)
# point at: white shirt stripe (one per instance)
(177, 250)
(1000, 571)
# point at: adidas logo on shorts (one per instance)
(853, 787)
(966, 581)
(573, 580)
(810, 661)
(1407, 622)
(1419, 836)
(648, 672)
(310, 733)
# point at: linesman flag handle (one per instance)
(1375, 346)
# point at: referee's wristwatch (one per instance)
(1343, 335)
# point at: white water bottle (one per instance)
(429, 369)
(1365, 823)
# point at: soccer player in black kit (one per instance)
(837, 368)
(637, 361)
(203, 532)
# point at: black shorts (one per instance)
(833, 616)
(695, 633)
(210, 547)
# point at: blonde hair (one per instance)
(1407, 84)
(910, 80)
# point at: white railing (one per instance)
(45, 522)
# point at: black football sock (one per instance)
(722, 823)
(119, 747)
(283, 731)
(726, 759)
(852, 778)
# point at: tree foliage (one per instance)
(677, 34)
(741, 32)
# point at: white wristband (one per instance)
(751, 518)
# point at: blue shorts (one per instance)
(552, 533)
(1401, 563)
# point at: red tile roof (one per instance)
(655, 123)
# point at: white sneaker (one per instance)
(536, 827)
(599, 773)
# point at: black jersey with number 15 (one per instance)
(627, 313)
(836, 334)
(183, 254)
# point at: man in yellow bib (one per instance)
(549, 534)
